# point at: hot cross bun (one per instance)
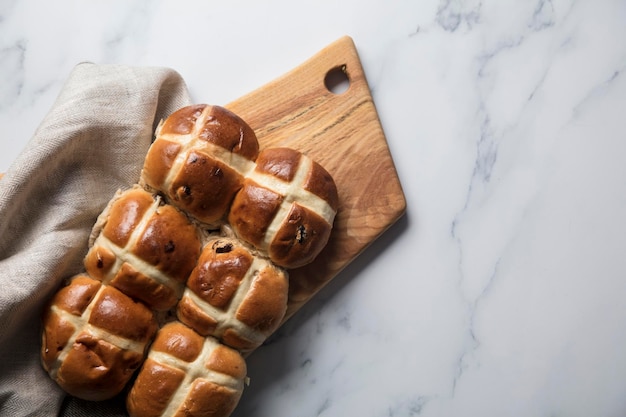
(198, 253)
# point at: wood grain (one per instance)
(343, 133)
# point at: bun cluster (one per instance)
(187, 270)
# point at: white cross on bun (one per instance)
(188, 270)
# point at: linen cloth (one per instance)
(92, 143)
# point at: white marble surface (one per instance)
(502, 292)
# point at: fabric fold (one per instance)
(91, 143)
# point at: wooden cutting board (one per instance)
(343, 133)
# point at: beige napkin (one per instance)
(92, 142)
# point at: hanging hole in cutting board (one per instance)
(337, 80)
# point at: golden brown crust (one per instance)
(169, 242)
(227, 361)
(321, 183)
(281, 163)
(118, 314)
(146, 249)
(204, 186)
(207, 399)
(264, 306)
(182, 121)
(252, 212)
(226, 129)
(132, 282)
(153, 389)
(213, 124)
(94, 338)
(301, 236)
(56, 335)
(125, 214)
(76, 297)
(220, 269)
(99, 262)
(205, 165)
(194, 316)
(187, 375)
(163, 155)
(96, 370)
(286, 207)
(179, 341)
(192, 160)
(234, 295)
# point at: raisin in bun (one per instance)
(186, 374)
(154, 252)
(94, 338)
(199, 158)
(286, 207)
(144, 248)
(234, 295)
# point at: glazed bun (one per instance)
(186, 374)
(199, 158)
(234, 295)
(192, 261)
(286, 207)
(144, 248)
(94, 338)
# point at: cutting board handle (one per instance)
(342, 132)
(340, 129)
